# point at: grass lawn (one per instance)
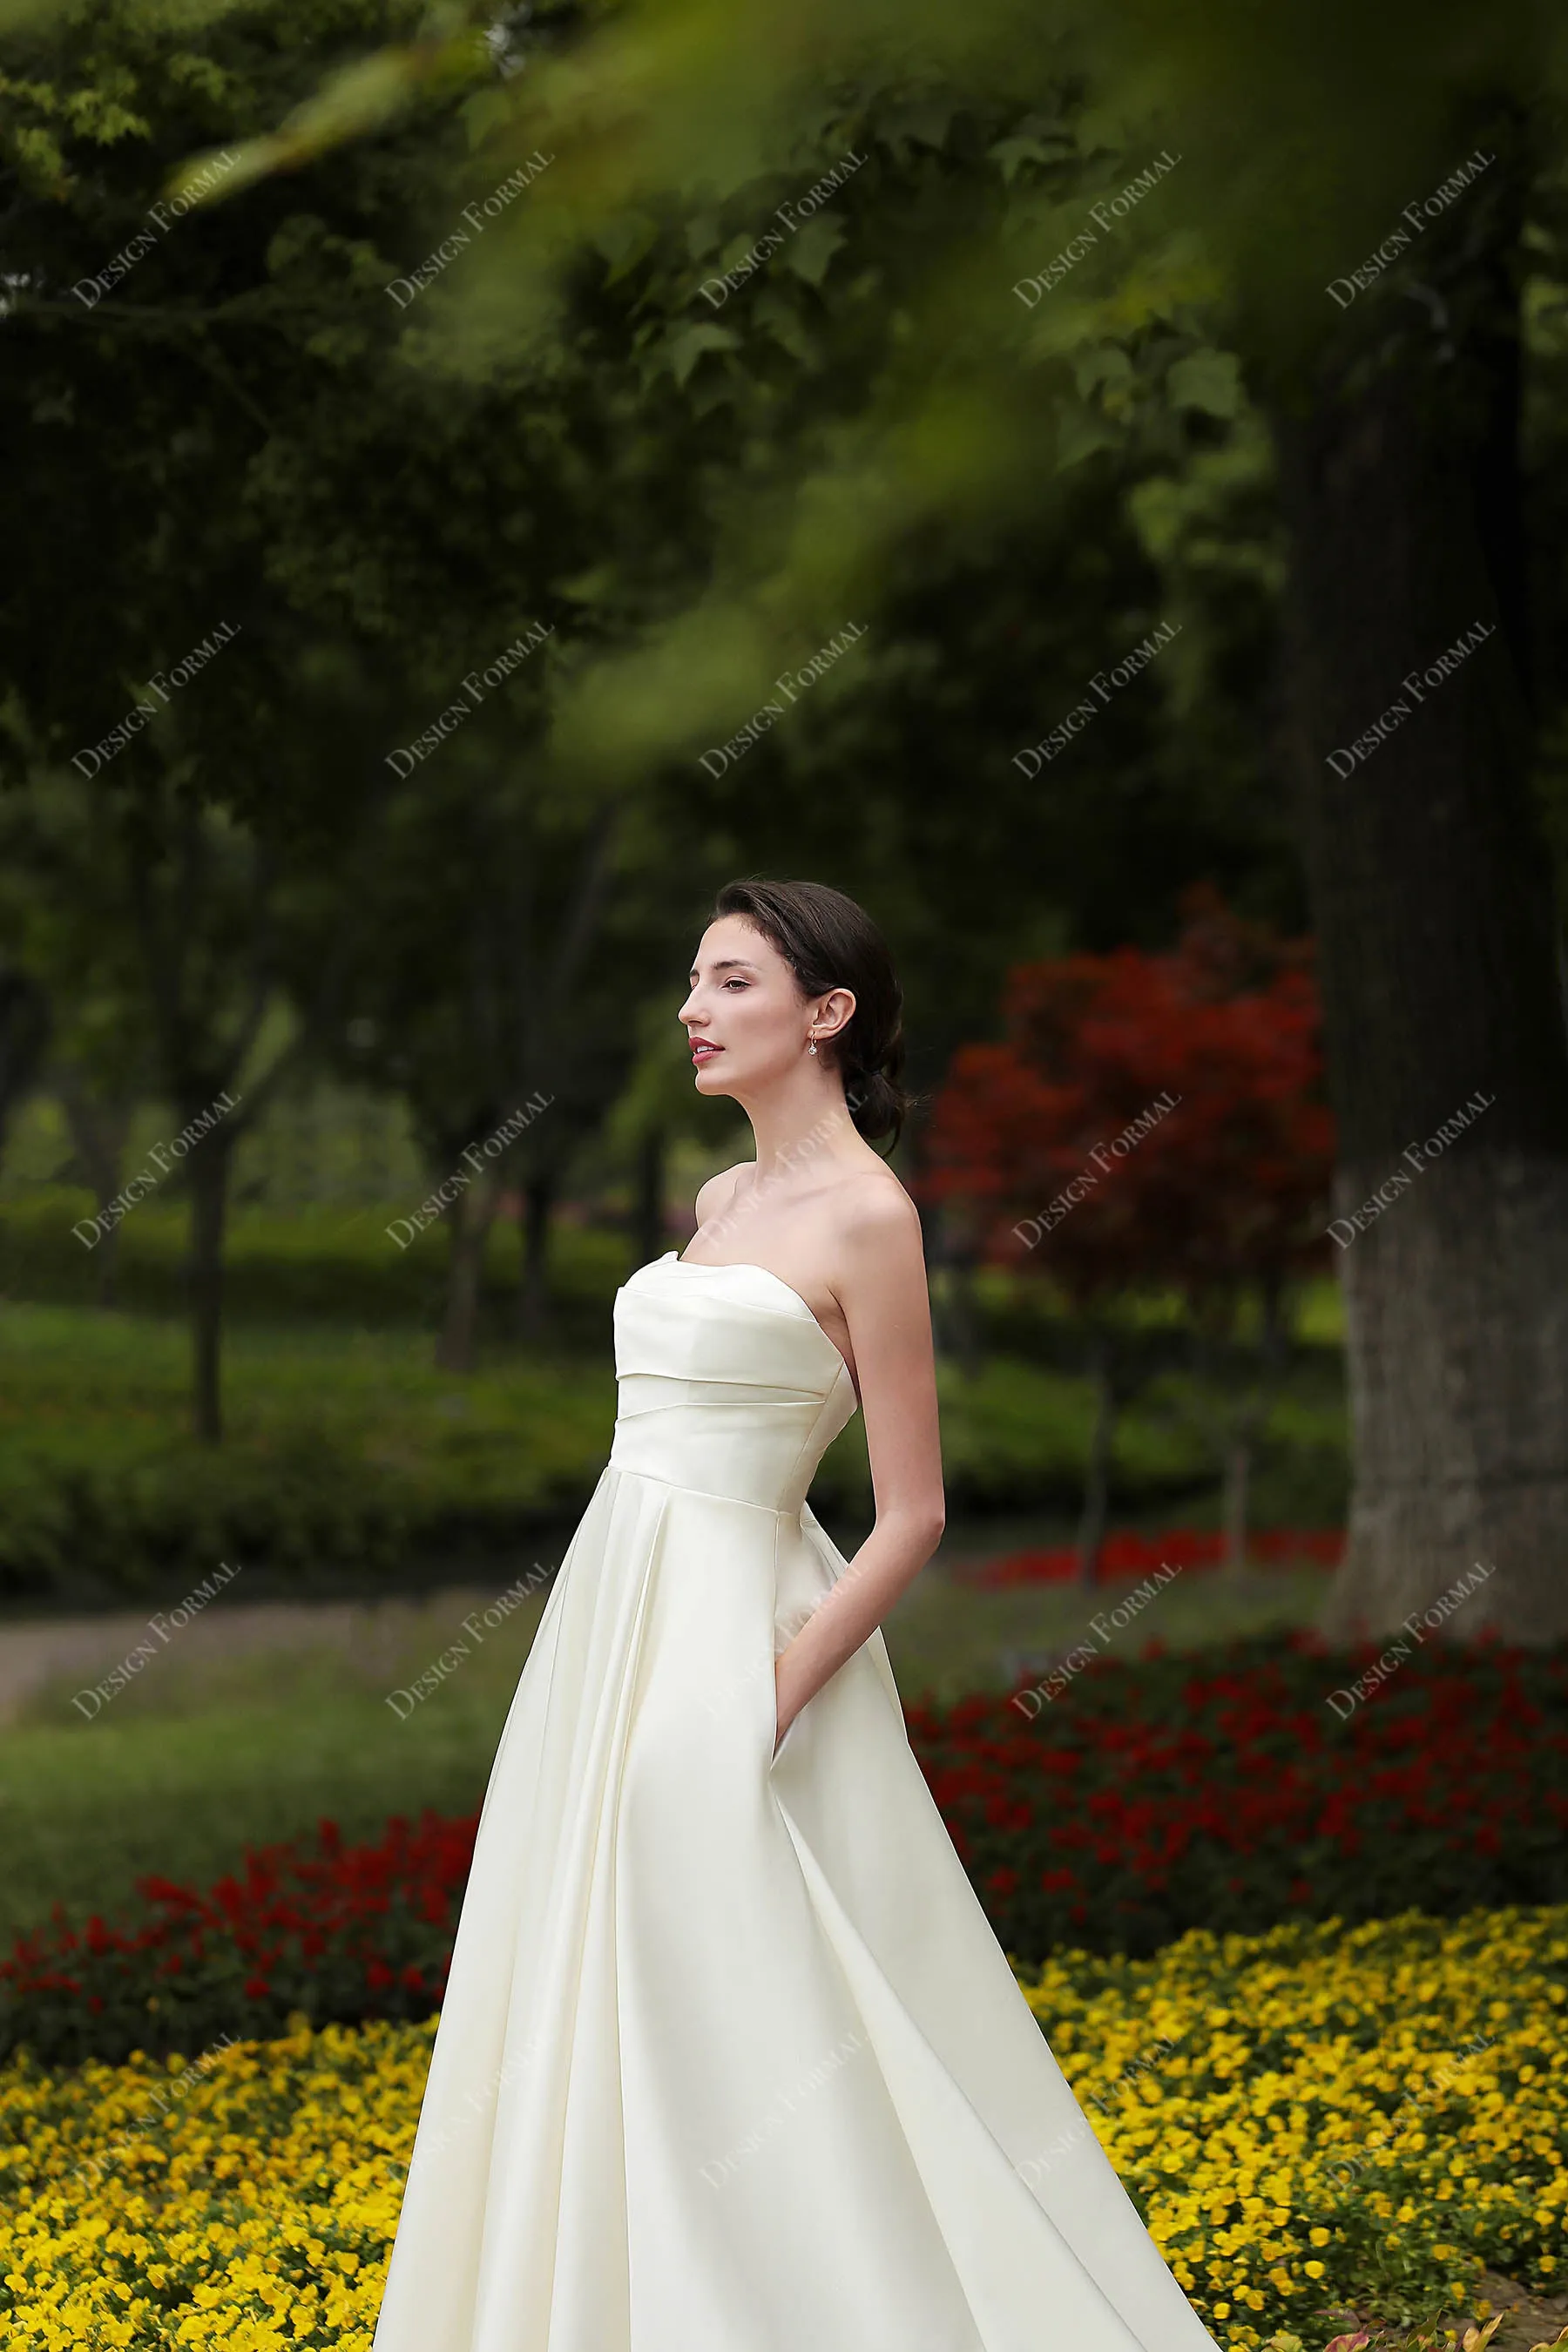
(183, 1767)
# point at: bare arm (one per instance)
(887, 1310)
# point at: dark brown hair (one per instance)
(830, 941)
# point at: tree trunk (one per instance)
(958, 1324)
(1252, 1419)
(207, 1173)
(1437, 946)
(648, 1209)
(26, 1020)
(107, 1295)
(952, 1251)
(1096, 1477)
(98, 1131)
(964, 1334)
(533, 1289)
(472, 1215)
(1237, 1489)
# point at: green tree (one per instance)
(198, 969)
(1149, 238)
(495, 994)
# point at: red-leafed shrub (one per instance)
(1150, 1122)
(1147, 1118)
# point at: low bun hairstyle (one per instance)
(829, 941)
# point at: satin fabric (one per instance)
(730, 2060)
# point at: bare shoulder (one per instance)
(877, 1216)
(716, 1195)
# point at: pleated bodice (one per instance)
(727, 1384)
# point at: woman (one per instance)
(730, 2060)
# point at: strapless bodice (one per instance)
(728, 1384)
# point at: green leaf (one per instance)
(1104, 363)
(485, 112)
(1100, 129)
(773, 315)
(811, 249)
(624, 241)
(1210, 381)
(1080, 433)
(927, 121)
(703, 234)
(714, 391)
(597, 585)
(682, 351)
(1012, 153)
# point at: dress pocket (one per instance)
(783, 1748)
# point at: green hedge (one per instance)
(350, 1454)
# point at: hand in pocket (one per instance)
(781, 1739)
(780, 1736)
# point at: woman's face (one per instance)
(746, 1017)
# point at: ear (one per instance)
(836, 1013)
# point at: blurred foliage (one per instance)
(562, 425)
(384, 334)
(879, 372)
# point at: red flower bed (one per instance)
(1128, 1553)
(338, 1931)
(1118, 1802)
(1113, 1805)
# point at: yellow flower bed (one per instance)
(254, 2208)
(1321, 2117)
(1309, 2118)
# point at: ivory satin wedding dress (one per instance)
(729, 2058)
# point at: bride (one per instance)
(728, 2058)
